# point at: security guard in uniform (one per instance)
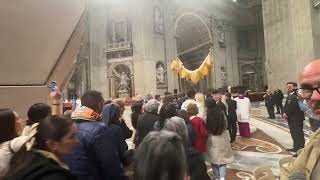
(295, 117)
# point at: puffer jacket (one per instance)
(145, 125)
(96, 156)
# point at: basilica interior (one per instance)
(154, 36)
(130, 48)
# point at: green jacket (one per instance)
(306, 160)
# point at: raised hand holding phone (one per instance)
(55, 96)
(53, 86)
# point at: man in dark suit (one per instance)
(269, 102)
(278, 97)
(232, 117)
(295, 117)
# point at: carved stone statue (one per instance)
(160, 74)
(124, 82)
(221, 38)
(158, 20)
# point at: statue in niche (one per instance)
(158, 20)
(221, 37)
(223, 76)
(124, 82)
(160, 74)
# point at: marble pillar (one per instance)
(289, 39)
(97, 18)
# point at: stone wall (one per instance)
(290, 39)
(150, 47)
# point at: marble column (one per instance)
(290, 42)
(97, 19)
(144, 59)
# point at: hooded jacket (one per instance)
(108, 113)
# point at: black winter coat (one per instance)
(39, 167)
(292, 109)
(145, 125)
(232, 108)
(278, 96)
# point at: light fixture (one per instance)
(234, 0)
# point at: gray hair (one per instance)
(177, 125)
(159, 153)
(152, 106)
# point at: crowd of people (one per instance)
(173, 137)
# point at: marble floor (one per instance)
(269, 140)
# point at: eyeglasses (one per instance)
(307, 91)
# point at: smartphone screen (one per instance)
(53, 85)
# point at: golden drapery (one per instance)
(196, 75)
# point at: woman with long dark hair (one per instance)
(219, 152)
(136, 110)
(55, 138)
(8, 125)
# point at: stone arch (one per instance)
(113, 75)
(114, 65)
(193, 41)
(195, 15)
(191, 30)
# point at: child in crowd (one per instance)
(199, 127)
(191, 133)
(219, 152)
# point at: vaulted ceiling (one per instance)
(191, 32)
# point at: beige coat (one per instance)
(9, 147)
(306, 161)
(219, 149)
(6, 154)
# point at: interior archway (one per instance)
(193, 41)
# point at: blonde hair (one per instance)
(119, 102)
